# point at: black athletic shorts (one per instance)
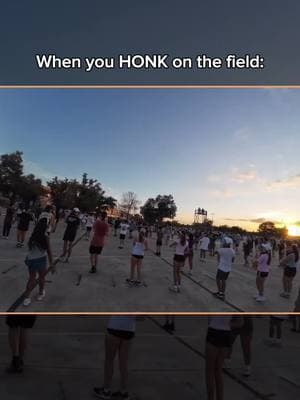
(137, 256)
(126, 335)
(122, 237)
(95, 249)
(22, 321)
(158, 243)
(69, 237)
(88, 228)
(290, 272)
(219, 338)
(179, 258)
(262, 274)
(221, 275)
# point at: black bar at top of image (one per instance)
(95, 28)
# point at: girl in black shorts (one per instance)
(120, 332)
(218, 343)
(139, 246)
(18, 327)
(181, 252)
(289, 263)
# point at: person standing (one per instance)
(140, 244)
(225, 259)
(263, 267)
(289, 264)
(73, 223)
(159, 241)
(36, 260)
(123, 231)
(25, 217)
(8, 221)
(101, 230)
(18, 326)
(245, 332)
(120, 333)
(204, 244)
(181, 251)
(217, 346)
(89, 223)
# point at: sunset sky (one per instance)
(233, 152)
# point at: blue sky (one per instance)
(234, 152)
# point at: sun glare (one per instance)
(294, 230)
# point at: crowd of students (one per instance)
(257, 251)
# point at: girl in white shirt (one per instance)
(181, 251)
(140, 244)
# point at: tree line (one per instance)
(87, 194)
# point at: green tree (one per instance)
(11, 172)
(155, 210)
(14, 184)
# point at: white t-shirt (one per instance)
(226, 256)
(122, 323)
(89, 221)
(220, 323)
(138, 249)
(123, 229)
(204, 242)
(180, 250)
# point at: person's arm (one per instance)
(173, 244)
(146, 244)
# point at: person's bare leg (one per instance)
(70, 244)
(178, 275)
(174, 274)
(219, 285)
(65, 248)
(123, 364)
(132, 268)
(22, 343)
(30, 284)
(219, 374)
(138, 270)
(111, 347)
(210, 366)
(14, 340)
(42, 276)
(246, 347)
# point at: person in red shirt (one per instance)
(101, 229)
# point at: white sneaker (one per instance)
(41, 296)
(27, 302)
(260, 298)
(174, 289)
